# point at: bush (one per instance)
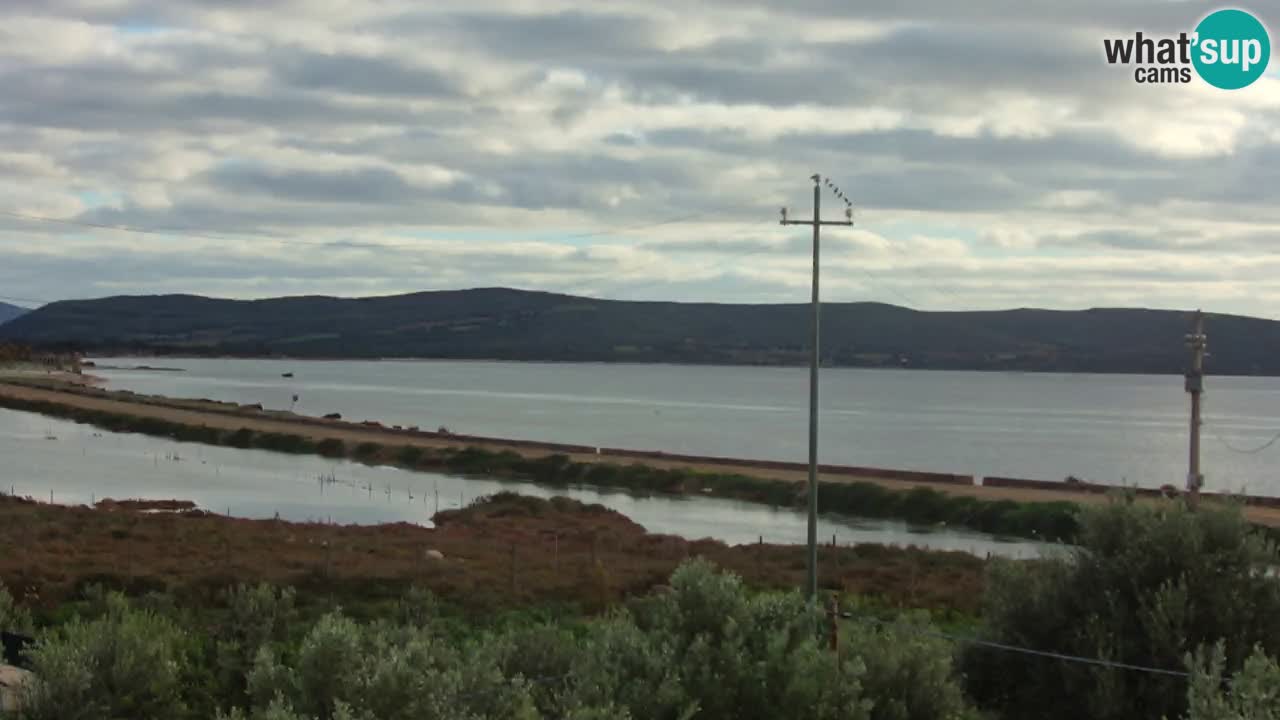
(257, 617)
(344, 669)
(366, 450)
(126, 664)
(242, 438)
(331, 447)
(409, 456)
(197, 434)
(13, 618)
(708, 649)
(285, 442)
(1252, 694)
(908, 674)
(1147, 585)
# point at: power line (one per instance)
(1243, 451)
(185, 233)
(633, 228)
(970, 640)
(118, 228)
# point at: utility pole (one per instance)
(811, 581)
(1196, 341)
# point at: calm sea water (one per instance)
(1117, 429)
(76, 464)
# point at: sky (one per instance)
(633, 150)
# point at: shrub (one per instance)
(366, 450)
(344, 669)
(409, 455)
(602, 474)
(256, 618)
(909, 675)
(331, 447)
(242, 438)
(197, 433)
(126, 663)
(284, 442)
(1146, 585)
(1252, 694)
(12, 617)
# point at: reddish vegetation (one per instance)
(512, 551)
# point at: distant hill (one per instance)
(520, 325)
(9, 312)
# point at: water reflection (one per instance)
(78, 464)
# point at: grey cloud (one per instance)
(115, 124)
(366, 186)
(921, 65)
(1153, 240)
(119, 99)
(715, 243)
(545, 38)
(1125, 14)
(363, 76)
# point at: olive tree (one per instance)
(13, 618)
(1253, 693)
(1147, 584)
(126, 663)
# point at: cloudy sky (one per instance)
(636, 150)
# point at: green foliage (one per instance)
(521, 325)
(284, 442)
(409, 455)
(344, 669)
(331, 447)
(197, 433)
(126, 663)
(13, 618)
(257, 617)
(242, 438)
(909, 674)
(742, 656)
(1252, 694)
(1146, 586)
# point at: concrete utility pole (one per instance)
(811, 584)
(1196, 341)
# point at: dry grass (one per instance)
(514, 551)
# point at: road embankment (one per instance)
(1023, 508)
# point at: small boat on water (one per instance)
(288, 375)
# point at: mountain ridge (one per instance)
(9, 312)
(510, 324)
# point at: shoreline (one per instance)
(760, 481)
(230, 416)
(655, 363)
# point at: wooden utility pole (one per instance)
(811, 586)
(1196, 341)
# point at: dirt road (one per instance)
(225, 416)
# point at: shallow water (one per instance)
(77, 464)
(1116, 429)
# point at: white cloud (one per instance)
(396, 146)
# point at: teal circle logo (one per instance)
(1232, 49)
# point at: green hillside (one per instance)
(9, 312)
(521, 325)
